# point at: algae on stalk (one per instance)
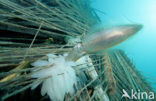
(20, 20)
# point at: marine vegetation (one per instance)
(51, 51)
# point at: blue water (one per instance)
(141, 48)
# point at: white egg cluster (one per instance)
(61, 80)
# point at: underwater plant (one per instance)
(48, 53)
